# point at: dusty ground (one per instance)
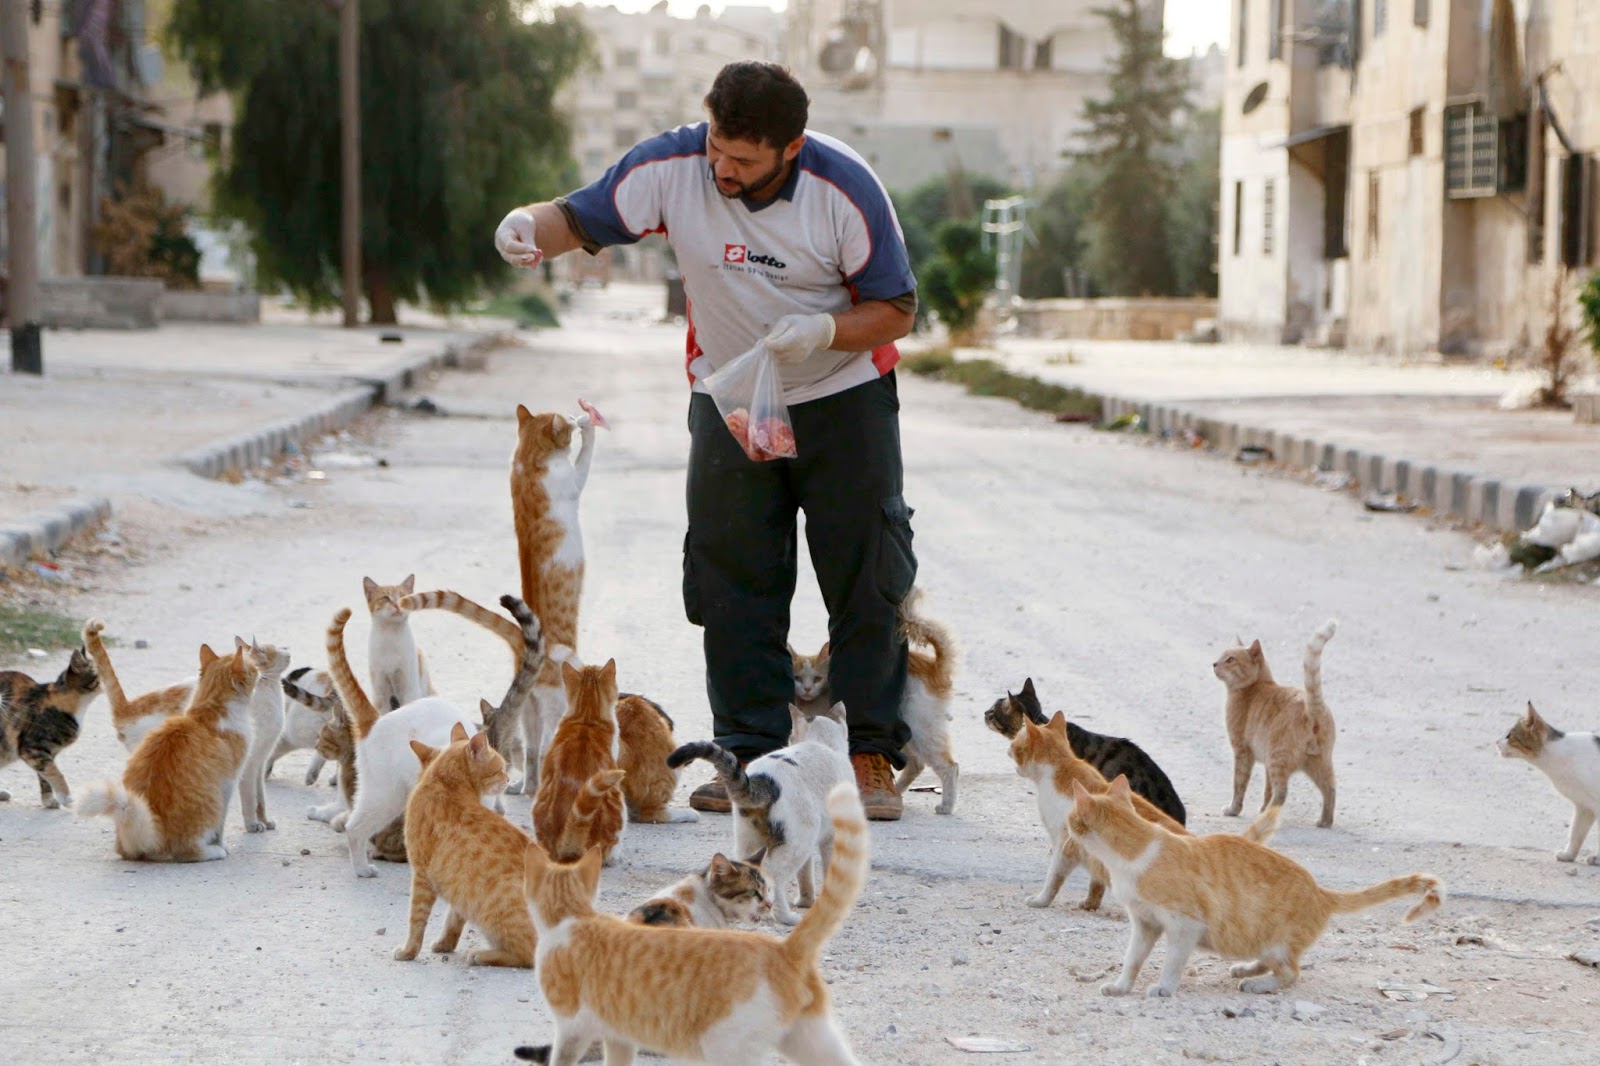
(1110, 571)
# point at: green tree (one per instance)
(1192, 216)
(457, 125)
(1131, 145)
(1058, 222)
(958, 276)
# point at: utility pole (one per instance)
(350, 153)
(22, 293)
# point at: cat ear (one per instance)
(755, 860)
(1533, 715)
(1255, 649)
(239, 644)
(839, 714)
(486, 709)
(1058, 722)
(609, 671)
(589, 869)
(1119, 789)
(1079, 793)
(1238, 641)
(827, 649)
(478, 746)
(534, 864)
(409, 584)
(425, 754)
(569, 674)
(369, 586)
(719, 866)
(207, 656)
(792, 653)
(458, 732)
(523, 415)
(797, 723)
(1027, 689)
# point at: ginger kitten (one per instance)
(1224, 893)
(465, 854)
(703, 995)
(644, 740)
(174, 794)
(1286, 728)
(1572, 763)
(583, 748)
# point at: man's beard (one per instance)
(753, 186)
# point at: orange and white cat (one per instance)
(546, 483)
(174, 794)
(465, 854)
(132, 719)
(700, 995)
(1223, 893)
(584, 747)
(1284, 727)
(398, 670)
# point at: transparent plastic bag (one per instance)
(749, 396)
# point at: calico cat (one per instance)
(1572, 763)
(133, 719)
(644, 740)
(702, 995)
(38, 721)
(545, 486)
(1044, 755)
(386, 767)
(725, 892)
(582, 749)
(924, 707)
(1224, 893)
(335, 745)
(1109, 755)
(778, 800)
(1286, 728)
(173, 798)
(303, 722)
(394, 662)
(466, 854)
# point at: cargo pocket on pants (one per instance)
(691, 588)
(897, 563)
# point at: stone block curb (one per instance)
(1503, 505)
(45, 531)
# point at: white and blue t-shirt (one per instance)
(828, 240)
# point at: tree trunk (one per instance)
(380, 298)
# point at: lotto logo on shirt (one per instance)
(733, 253)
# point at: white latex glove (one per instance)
(797, 336)
(514, 239)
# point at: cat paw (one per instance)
(338, 820)
(1243, 969)
(1160, 992)
(65, 798)
(253, 827)
(405, 953)
(269, 824)
(787, 919)
(311, 776)
(1593, 860)
(1231, 812)
(514, 789)
(684, 816)
(442, 946)
(368, 870)
(51, 804)
(1114, 988)
(1259, 985)
(1566, 856)
(1040, 901)
(1325, 823)
(945, 809)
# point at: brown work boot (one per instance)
(711, 797)
(875, 781)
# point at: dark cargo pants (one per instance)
(739, 566)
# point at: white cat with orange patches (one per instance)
(1223, 893)
(700, 995)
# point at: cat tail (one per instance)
(136, 826)
(1431, 888)
(455, 603)
(317, 702)
(531, 652)
(360, 709)
(585, 806)
(533, 1052)
(917, 629)
(847, 873)
(1315, 705)
(758, 792)
(102, 666)
(1266, 824)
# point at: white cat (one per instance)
(303, 723)
(398, 671)
(266, 726)
(780, 801)
(1572, 763)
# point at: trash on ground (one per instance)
(48, 570)
(345, 460)
(422, 405)
(1567, 533)
(1130, 422)
(1410, 993)
(1390, 502)
(37, 653)
(986, 1045)
(1333, 480)
(1253, 453)
(1074, 416)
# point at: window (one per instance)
(1417, 115)
(627, 100)
(1372, 212)
(1380, 17)
(1471, 145)
(1013, 54)
(1238, 216)
(1537, 177)
(1042, 53)
(1419, 13)
(625, 138)
(1269, 205)
(663, 42)
(1275, 31)
(626, 58)
(1244, 19)
(1577, 210)
(1335, 241)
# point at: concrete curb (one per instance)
(1504, 505)
(45, 531)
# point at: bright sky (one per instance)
(1191, 24)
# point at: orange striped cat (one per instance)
(703, 995)
(466, 854)
(583, 748)
(1221, 892)
(132, 719)
(644, 740)
(175, 792)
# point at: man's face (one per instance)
(748, 168)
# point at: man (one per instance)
(786, 236)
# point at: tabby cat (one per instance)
(644, 740)
(725, 892)
(1572, 763)
(581, 751)
(38, 721)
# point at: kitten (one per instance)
(466, 854)
(394, 662)
(38, 721)
(266, 726)
(583, 747)
(1044, 755)
(1109, 755)
(924, 707)
(386, 768)
(644, 740)
(725, 892)
(334, 744)
(1572, 763)
(133, 719)
(1284, 727)
(545, 486)
(703, 995)
(173, 798)
(1224, 893)
(779, 799)
(303, 722)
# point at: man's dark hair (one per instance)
(759, 102)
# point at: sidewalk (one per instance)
(1431, 432)
(120, 415)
